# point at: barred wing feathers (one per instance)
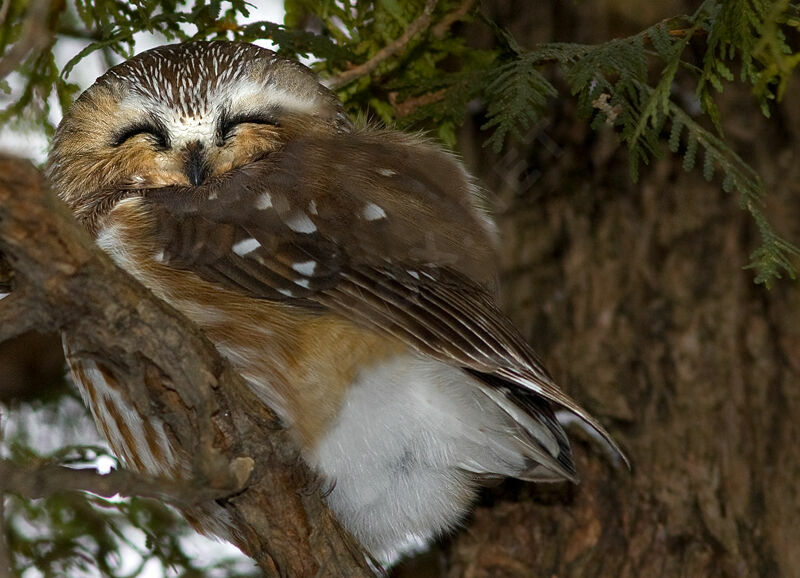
(348, 242)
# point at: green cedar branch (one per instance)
(613, 79)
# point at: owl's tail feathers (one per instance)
(536, 434)
(539, 433)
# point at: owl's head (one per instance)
(179, 114)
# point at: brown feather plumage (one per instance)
(323, 261)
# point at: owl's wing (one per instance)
(276, 230)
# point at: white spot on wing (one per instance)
(245, 246)
(312, 207)
(386, 172)
(264, 201)
(159, 257)
(373, 212)
(305, 268)
(304, 283)
(300, 223)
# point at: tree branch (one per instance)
(19, 313)
(451, 18)
(35, 35)
(413, 103)
(4, 11)
(47, 479)
(399, 44)
(170, 372)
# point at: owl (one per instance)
(347, 273)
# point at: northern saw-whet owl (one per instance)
(346, 273)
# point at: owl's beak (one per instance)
(195, 165)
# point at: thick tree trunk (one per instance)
(635, 296)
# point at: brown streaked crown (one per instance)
(205, 106)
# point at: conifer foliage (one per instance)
(410, 64)
(406, 63)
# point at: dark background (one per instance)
(636, 297)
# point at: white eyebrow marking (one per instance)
(274, 97)
(264, 201)
(305, 268)
(245, 246)
(373, 212)
(300, 223)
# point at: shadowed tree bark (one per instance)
(635, 296)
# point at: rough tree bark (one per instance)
(239, 456)
(635, 296)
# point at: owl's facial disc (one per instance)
(232, 126)
(188, 150)
(196, 134)
(180, 114)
